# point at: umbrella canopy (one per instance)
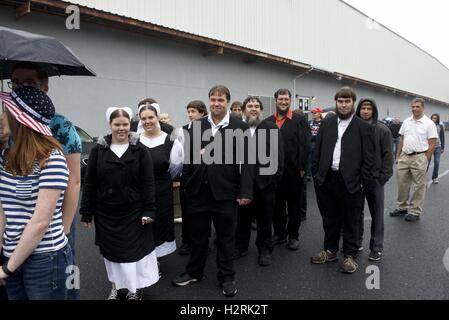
(50, 54)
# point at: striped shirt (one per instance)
(18, 195)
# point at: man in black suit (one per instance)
(295, 134)
(267, 148)
(343, 161)
(217, 180)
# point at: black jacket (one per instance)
(296, 137)
(271, 154)
(357, 162)
(227, 181)
(118, 192)
(382, 143)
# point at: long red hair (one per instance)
(29, 147)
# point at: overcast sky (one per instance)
(423, 22)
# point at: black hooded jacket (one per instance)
(382, 143)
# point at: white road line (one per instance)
(439, 177)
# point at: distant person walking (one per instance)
(439, 149)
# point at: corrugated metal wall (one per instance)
(327, 34)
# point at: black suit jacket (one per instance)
(357, 161)
(296, 137)
(228, 181)
(266, 158)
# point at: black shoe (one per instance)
(228, 288)
(184, 250)
(293, 244)
(375, 256)
(239, 254)
(134, 296)
(398, 213)
(279, 240)
(185, 279)
(411, 217)
(264, 259)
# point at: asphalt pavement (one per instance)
(412, 266)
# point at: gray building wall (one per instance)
(132, 66)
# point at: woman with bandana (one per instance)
(33, 179)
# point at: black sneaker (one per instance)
(184, 279)
(411, 217)
(264, 259)
(228, 288)
(375, 256)
(278, 240)
(134, 296)
(293, 244)
(398, 213)
(184, 250)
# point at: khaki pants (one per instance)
(412, 169)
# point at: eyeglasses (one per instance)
(17, 84)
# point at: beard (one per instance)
(253, 121)
(282, 112)
(344, 116)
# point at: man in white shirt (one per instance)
(418, 139)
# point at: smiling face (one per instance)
(417, 110)
(149, 121)
(120, 129)
(218, 105)
(252, 110)
(283, 102)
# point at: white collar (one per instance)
(223, 123)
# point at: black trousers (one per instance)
(185, 217)
(261, 208)
(339, 210)
(200, 229)
(288, 193)
(374, 195)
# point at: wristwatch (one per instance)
(6, 270)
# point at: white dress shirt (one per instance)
(223, 123)
(342, 126)
(416, 134)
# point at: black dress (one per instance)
(163, 226)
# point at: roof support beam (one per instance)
(23, 9)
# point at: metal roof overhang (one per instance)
(208, 45)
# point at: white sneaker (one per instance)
(113, 295)
(435, 181)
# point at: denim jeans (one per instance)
(41, 277)
(436, 162)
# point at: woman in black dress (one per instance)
(167, 155)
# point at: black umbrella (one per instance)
(50, 54)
